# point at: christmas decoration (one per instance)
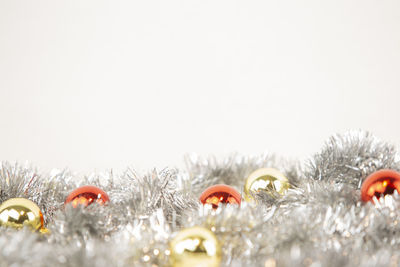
(351, 157)
(220, 194)
(203, 173)
(20, 212)
(380, 183)
(195, 246)
(86, 195)
(265, 179)
(320, 221)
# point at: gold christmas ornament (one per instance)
(265, 179)
(195, 246)
(20, 212)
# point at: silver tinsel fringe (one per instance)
(320, 221)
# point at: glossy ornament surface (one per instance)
(265, 179)
(220, 193)
(195, 246)
(20, 212)
(86, 195)
(380, 183)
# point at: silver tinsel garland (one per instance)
(320, 221)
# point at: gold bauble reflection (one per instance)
(265, 179)
(195, 246)
(20, 212)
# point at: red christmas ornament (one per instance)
(86, 195)
(220, 193)
(380, 183)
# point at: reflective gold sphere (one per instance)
(195, 246)
(20, 212)
(265, 179)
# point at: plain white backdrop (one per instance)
(94, 85)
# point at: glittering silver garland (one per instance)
(320, 221)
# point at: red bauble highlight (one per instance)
(383, 182)
(86, 195)
(220, 193)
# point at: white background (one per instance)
(94, 85)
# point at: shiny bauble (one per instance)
(86, 195)
(265, 179)
(195, 247)
(21, 212)
(380, 183)
(220, 194)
